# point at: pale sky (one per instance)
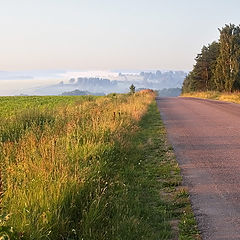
(109, 34)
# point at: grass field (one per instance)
(89, 168)
(12, 105)
(221, 96)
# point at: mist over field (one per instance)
(95, 82)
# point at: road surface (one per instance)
(205, 135)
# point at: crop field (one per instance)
(12, 105)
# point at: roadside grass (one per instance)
(155, 190)
(61, 165)
(233, 97)
(90, 168)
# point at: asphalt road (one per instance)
(205, 135)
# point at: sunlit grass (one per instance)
(222, 96)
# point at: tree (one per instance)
(132, 89)
(201, 77)
(227, 72)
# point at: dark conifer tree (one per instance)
(132, 89)
(227, 72)
(201, 77)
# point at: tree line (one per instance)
(217, 67)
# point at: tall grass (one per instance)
(61, 167)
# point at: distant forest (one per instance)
(217, 67)
(153, 80)
(120, 84)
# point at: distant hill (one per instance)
(80, 93)
(169, 92)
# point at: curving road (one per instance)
(205, 135)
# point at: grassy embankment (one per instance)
(221, 96)
(89, 168)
